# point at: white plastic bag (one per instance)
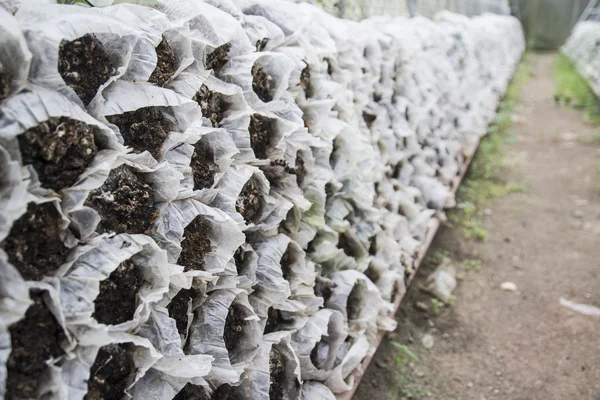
(82, 282)
(40, 107)
(275, 371)
(212, 224)
(323, 336)
(14, 53)
(234, 354)
(129, 34)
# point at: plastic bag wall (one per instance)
(582, 47)
(211, 200)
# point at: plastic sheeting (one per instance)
(548, 23)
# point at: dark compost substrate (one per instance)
(197, 392)
(235, 327)
(324, 288)
(195, 245)
(117, 301)
(59, 149)
(166, 65)
(217, 58)
(4, 86)
(85, 65)
(239, 258)
(203, 166)
(145, 128)
(211, 103)
(111, 371)
(34, 244)
(277, 379)
(356, 300)
(261, 83)
(300, 170)
(276, 320)
(178, 308)
(249, 201)
(34, 339)
(125, 202)
(261, 131)
(305, 82)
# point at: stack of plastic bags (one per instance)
(583, 48)
(217, 200)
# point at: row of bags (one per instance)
(217, 199)
(582, 48)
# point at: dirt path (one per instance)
(495, 344)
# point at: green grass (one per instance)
(472, 264)
(572, 89)
(483, 182)
(405, 387)
(437, 306)
(403, 352)
(410, 390)
(438, 257)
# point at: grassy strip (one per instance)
(483, 181)
(573, 90)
